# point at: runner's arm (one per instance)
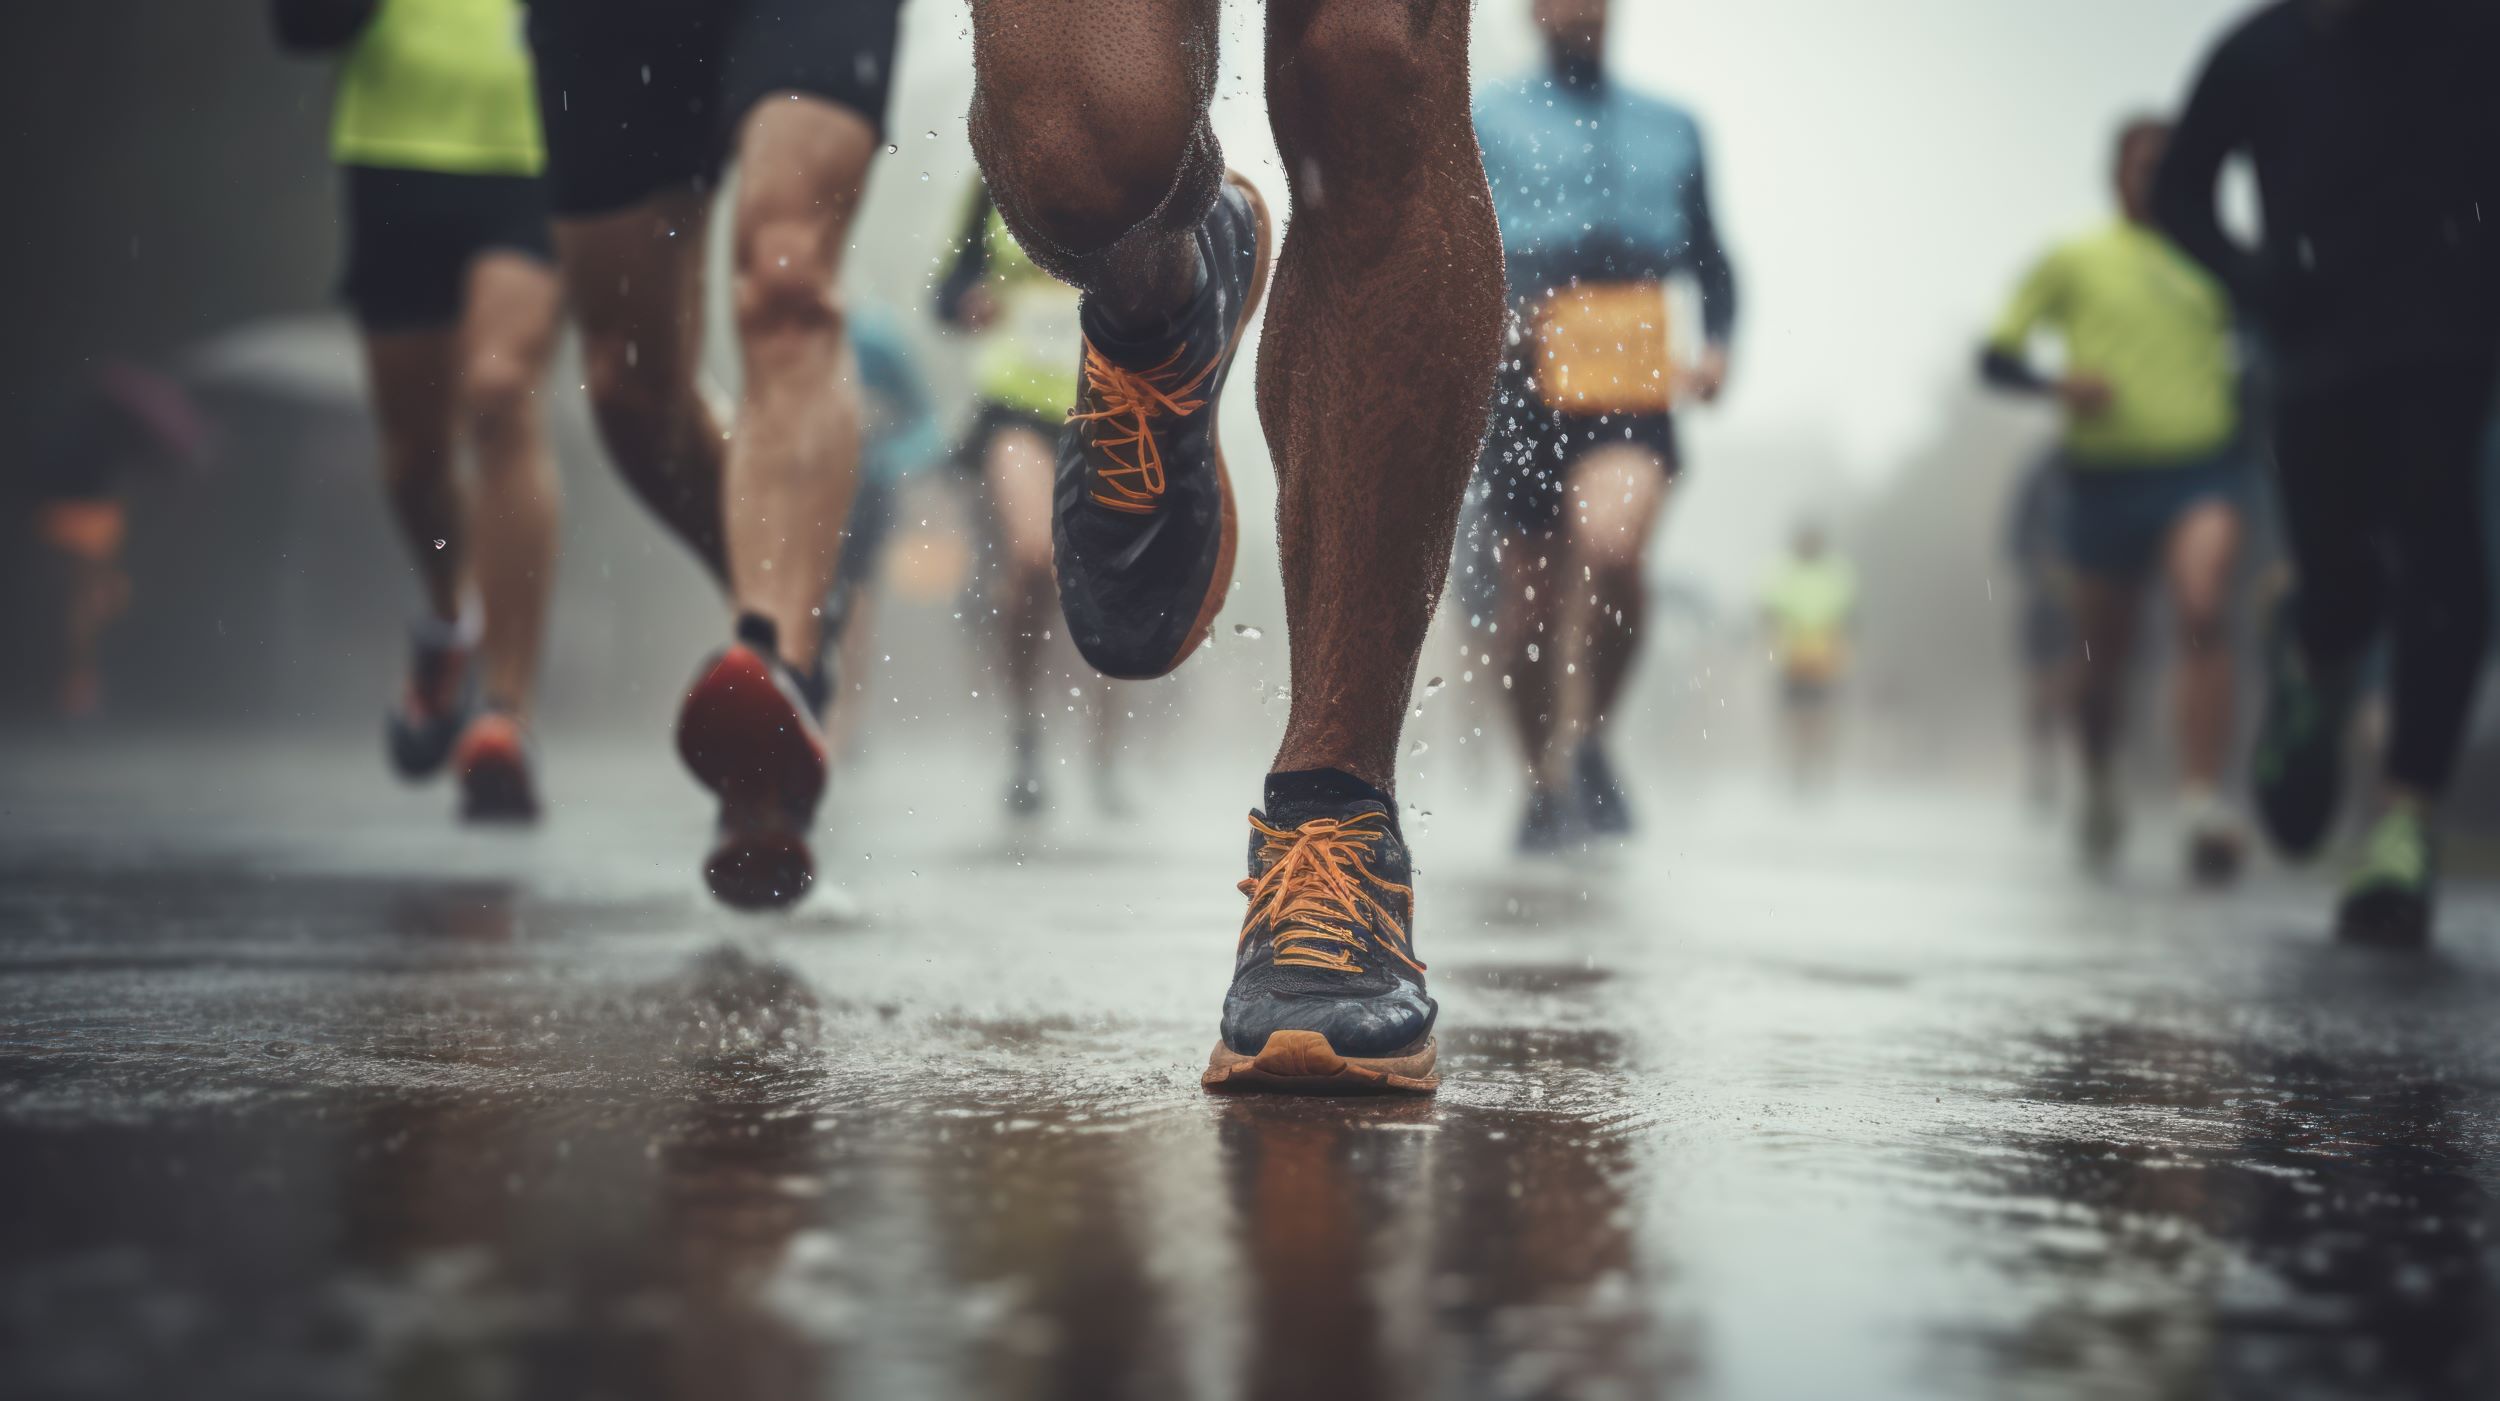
(2217, 122)
(2005, 360)
(1711, 267)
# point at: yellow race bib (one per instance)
(1601, 348)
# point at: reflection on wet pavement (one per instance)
(1780, 1104)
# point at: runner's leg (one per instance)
(2106, 609)
(2197, 566)
(2325, 446)
(793, 463)
(1090, 120)
(413, 379)
(634, 280)
(2441, 598)
(1016, 474)
(508, 336)
(1531, 616)
(1615, 500)
(1378, 366)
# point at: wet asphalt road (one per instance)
(303, 1093)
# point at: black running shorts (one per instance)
(412, 234)
(640, 96)
(1530, 453)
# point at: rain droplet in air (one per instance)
(439, 544)
(1419, 748)
(1433, 687)
(1245, 630)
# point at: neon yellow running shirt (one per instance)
(1028, 360)
(2133, 310)
(1809, 603)
(440, 85)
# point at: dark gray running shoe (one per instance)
(1327, 995)
(1142, 518)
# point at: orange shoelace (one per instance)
(1127, 402)
(1315, 894)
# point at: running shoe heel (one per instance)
(747, 733)
(494, 766)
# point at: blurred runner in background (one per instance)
(121, 421)
(1602, 199)
(2154, 484)
(1809, 605)
(898, 436)
(450, 276)
(2374, 128)
(1026, 320)
(644, 102)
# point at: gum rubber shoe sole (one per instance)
(1303, 1063)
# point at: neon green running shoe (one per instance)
(2387, 902)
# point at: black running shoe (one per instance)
(437, 704)
(1142, 518)
(1327, 997)
(2298, 767)
(748, 731)
(1547, 826)
(1602, 804)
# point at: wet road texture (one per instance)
(305, 1093)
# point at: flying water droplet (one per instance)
(1245, 630)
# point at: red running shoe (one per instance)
(493, 761)
(748, 731)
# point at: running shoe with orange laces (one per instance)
(1327, 996)
(495, 769)
(437, 702)
(749, 732)
(1142, 519)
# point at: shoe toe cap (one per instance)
(1379, 1025)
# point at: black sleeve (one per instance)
(2218, 121)
(316, 27)
(972, 258)
(2003, 369)
(1710, 264)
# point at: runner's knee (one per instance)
(1361, 73)
(2202, 629)
(499, 395)
(1080, 157)
(785, 282)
